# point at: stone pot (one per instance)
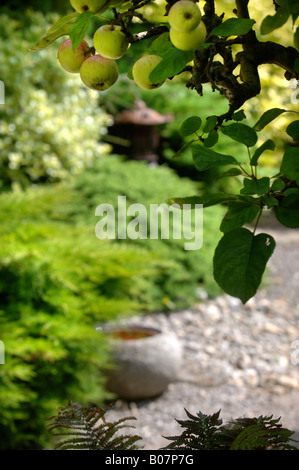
(147, 360)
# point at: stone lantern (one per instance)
(136, 132)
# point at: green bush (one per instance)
(58, 281)
(50, 125)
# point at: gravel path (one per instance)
(236, 358)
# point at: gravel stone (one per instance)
(236, 358)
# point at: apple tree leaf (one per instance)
(205, 158)
(290, 163)
(287, 212)
(241, 133)
(206, 200)
(61, 28)
(233, 27)
(268, 117)
(172, 63)
(190, 125)
(238, 214)
(268, 145)
(78, 31)
(240, 260)
(256, 186)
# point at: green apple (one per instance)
(110, 42)
(70, 59)
(89, 5)
(99, 73)
(184, 16)
(142, 69)
(188, 41)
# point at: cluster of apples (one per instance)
(99, 70)
(187, 30)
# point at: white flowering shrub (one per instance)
(50, 126)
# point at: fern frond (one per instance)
(204, 432)
(87, 429)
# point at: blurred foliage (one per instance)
(58, 281)
(16, 7)
(50, 125)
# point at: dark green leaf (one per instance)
(78, 31)
(290, 163)
(268, 117)
(268, 145)
(253, 186)
(270, 23)
(239, 115)
(212, 139)
(278, 185)
(241, 133)
(206, 200)
(287, 213)
(230, 172)
(210, 123)
(291, 191)
(238, 214)
(190, 126)
(233, 27)
(293, 6)
(172, 63)
(183, 149)
(270, 201)
(205, 158)
(240, 260)
(296, 38)
(293, 130)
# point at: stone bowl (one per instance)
(146, 361)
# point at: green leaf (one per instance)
(270, 23)
(63, 20)
(268, 145)
(239, 115)
(205, 158)
(161, 44)
(78, 31)
(240, 260)
(287, 213)
(270, 201)
(183, 148)
(293, 130)
(212, 139)
(172, 63)
(206, 200)
(290, 163)
(278, 185)
(210, 123)
(190, 126)
(268, 117)
(230, 172)
(241, 133)
(233, 27)
(256, 186)
(238, 214)
(51, 37)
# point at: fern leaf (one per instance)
(86, 428)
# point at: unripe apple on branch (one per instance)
(70, 59)
(99, 73)
(110, 42)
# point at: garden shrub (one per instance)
(50, 125)
(58, 281)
